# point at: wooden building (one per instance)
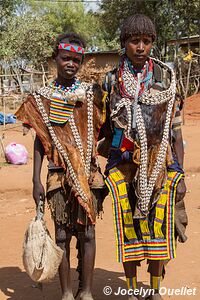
(183, 44)
(102, 59)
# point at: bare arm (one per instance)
(178, 146)
(38, 189)
(179, 151)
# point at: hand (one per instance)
(38, 192)
(180, 190)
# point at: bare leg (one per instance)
(79, 267)
(88, 246)
(63, 238)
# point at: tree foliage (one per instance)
(26, 38)
(28, 26)
(70, 16)
(7, 9)
(173, 18)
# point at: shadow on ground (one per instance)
(16, 285)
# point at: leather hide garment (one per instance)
(29, 114)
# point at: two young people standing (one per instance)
(144, 172)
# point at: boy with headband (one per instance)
(67, 116)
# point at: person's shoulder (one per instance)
(94, 90)
(44, 92)
(39, 97)
(162, 74)
(97, 90)
(28, 98)
(109, 80)
(93, 87)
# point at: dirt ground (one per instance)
(17, 209)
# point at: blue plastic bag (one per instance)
(9, 119)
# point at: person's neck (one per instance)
(65, 82)
(138, 67)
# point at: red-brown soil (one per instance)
(17, 208)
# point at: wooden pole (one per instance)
(43, 75)
(4, 112)
(31, 83)
(187, 88)
(2, 146)
(188, 78)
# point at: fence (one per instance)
(14, 87)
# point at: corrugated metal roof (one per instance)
(184, 40)
(102, 52)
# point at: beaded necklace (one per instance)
(46, 92)
(65, 91)
(63, 101)
(127, 86)
(146, 77)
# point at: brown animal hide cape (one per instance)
(142, 235)
(29, 114)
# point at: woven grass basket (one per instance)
(41, 256)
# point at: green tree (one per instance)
(26, 38)
(173, 18)
(70, 16)
(7, 9)
(29, 28)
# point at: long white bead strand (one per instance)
(59, 147)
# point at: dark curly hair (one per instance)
(136, 25)
(71, 37)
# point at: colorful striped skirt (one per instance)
(152, 237)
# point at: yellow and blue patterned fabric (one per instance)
(151, 237)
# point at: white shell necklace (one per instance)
(46, 92)
(146, 186)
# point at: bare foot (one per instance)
(68, 296)
(156, 296)
(86, 296)
(134, 297)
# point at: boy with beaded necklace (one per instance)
(67, 116)
(145, 161)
